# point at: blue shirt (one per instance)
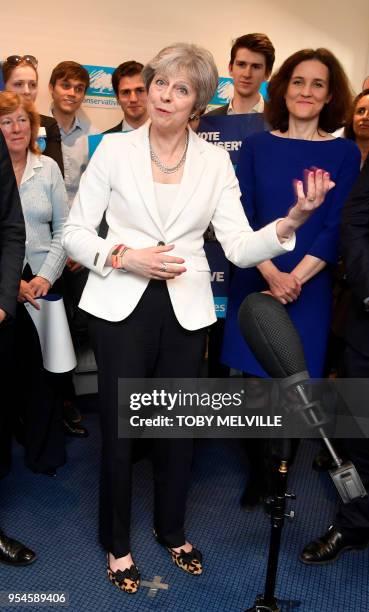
(75, 154)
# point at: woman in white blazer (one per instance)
(148, 292)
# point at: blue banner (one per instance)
(93, 141)
(219, 276)
(228, 132)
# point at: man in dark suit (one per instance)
(350, 529)
(131, 95)
(12, 248)
(251, 63)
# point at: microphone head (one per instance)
(271, 335)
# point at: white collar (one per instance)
(257, 108)
(126, 127)
(33, 162)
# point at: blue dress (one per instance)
(266, 169)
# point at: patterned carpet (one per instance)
(57, 517)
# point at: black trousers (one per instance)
(37, 403)
(39, 407)
(73, 284)
(355, 515)
(216, 369)
(7, 329)
(148, 343)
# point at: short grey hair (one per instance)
(198, 63)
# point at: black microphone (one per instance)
(271, 335)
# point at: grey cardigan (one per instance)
(45, 209)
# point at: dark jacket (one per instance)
(12, 233)
(53, 140)
(116, 128)
(222, 110)
(355, 248)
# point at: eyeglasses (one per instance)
(14, 60)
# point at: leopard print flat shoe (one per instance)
(127, 580)
(190, 562)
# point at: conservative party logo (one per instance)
(100, 93)
(224, 92)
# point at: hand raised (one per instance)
(317, 185)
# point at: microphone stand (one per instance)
(267, 328)
(277, 506)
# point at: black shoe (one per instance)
(71, 412)
(48, 472)
(323, 462)
(252, 496)
(74, 430)
(14, 553)
(331, 545)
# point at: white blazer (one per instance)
(119, 180)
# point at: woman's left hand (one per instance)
(40, 286)
(318, 184)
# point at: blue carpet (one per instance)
(57, 517)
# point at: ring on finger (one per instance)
(163, 266)
(310, 199)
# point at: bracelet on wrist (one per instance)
(117, 255)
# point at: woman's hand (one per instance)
(40, 286)
(26, 294)
(73, 266)
(153, 262)
(318, 184)
(284, 287)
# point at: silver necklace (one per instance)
(169, 169)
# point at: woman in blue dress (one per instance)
(309, 98)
